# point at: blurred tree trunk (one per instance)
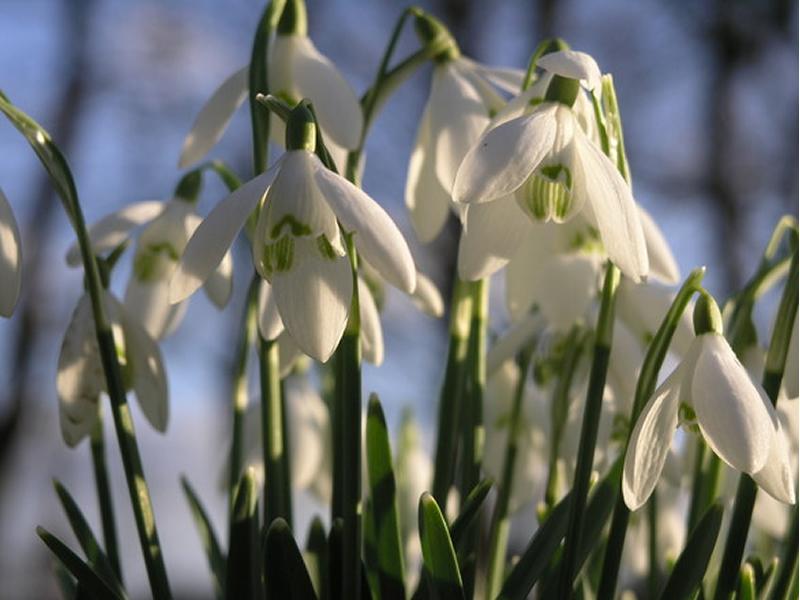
(31, 316)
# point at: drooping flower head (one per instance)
(159, 245)
(80, 379)
(710, 392)
(298, 244)
(10, 259)
(552, 170)
(462, 100)
(295, 70)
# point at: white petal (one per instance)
(313, 297)
(10, 259)
(493, 233)
(535, 250)
(572, 64)
(80, 378)
(427, 298)
(214, 117)
(110, 231)
(316, 78)
(269, 319)
(376, 235)
(775, 477)
(504, 157)
(309, 425)
(458, 115)
(288, 353)
(662, 262)
(371, 331)
(505, 78)
(147, 302)
(734, 415)
(427, 201)
(521, 104)
(650, 441)
(510, 343)
(219, 286)
(212, 239)
(149, 378)
(612, 206)
(565, 286)
(294, 199)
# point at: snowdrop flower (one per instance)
(545, 164)
(10, 259)
(167, 228)
(712, 391)
(81, 379)
(297, 245)
(461, 102)
(296, 70)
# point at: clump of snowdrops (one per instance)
(590, 449)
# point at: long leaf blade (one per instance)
(285, 572)
(438, 554)
(693, 561)
(86, 538)
(469, 511)
(88, 579)
(243, 577)
(214, 554)
(384, 504)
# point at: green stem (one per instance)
(452, 390)
(104, 496)
(591, 421)
(277, 487)
(500, 520)
(645, 386)
(560, 409)
(653, 574)
(747, 489)
(239, 395)
(697, 484)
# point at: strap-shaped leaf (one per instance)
(243, 572)
(693, 561)
(438, 554)
(317, 554)
(384, 504)
(214, 555)
(88, 580)
(334, 584)
(469, 512)
(543, 545)
(747, 583)
(284, 570)
(87, 540)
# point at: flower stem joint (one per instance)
(301, 129)
(435, 36)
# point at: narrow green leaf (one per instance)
(214, 555)
(469, 511)
(86, 538)
(747, 583)
(384, 504)
(693, 561)
(284, 570)
(317, 555)
(769, 579)
(334, 587)
(243, 573)
(89, 580)
(543, 545)
(438, 555)
(66, 582)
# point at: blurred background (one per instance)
(709, 97)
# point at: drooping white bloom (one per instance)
(297, 246)
(167, 228)
(712, 390)
(459, 107)
(545, 164)
(10, 259)
(296, 70)
(81, 380)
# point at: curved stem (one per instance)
(104, 497)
